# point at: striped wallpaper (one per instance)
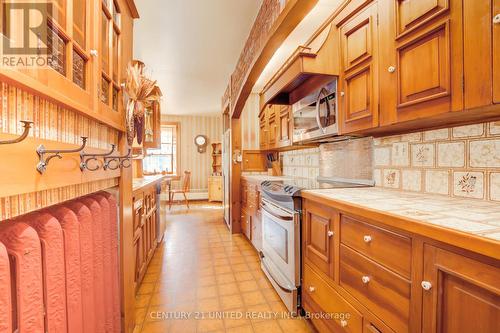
(51, 122)
(190, 159)
(250, 123)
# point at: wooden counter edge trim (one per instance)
(148, 183)
(466, 241)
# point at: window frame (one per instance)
(177, 147)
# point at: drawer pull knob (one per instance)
(93, 53)
(312, 289)
(365, 279)
(391, 69)
(367, 238)
(496, 19)
(426, 285)
(329, 233)
(343, 323)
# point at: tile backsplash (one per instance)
(301, 163)
(459, 161)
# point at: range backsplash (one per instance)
(460, 161)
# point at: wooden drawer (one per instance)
(385, 247)
(385, 293)
(344, 315)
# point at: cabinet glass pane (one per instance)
(116, 14)
(115, 98)
(79, 18)
(115, 56)
(78, 70)
(104, 43)
(104, 90)
(56, 51)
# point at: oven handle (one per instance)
(273, 212)
(285, 289)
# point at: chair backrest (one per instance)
(186, 181)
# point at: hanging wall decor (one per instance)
(141, 92)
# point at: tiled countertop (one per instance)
(260, 178)
(471, 216)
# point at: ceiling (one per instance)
(191, 48)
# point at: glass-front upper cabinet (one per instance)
(110, 91)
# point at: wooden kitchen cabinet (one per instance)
(145, 233)
(263, 130)
(284, 126)
(481, 53)
(251, 218)
(215, 188)
(421, 59)
(91, 44)
(272, 123)
(318, 230)
(246, 224)
(392, 279)
(461, 295)
(358, 82)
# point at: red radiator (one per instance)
(59, 269)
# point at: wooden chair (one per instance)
(186, 182)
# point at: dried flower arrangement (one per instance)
(141, 92)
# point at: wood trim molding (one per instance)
(266, 42)
(133, 8)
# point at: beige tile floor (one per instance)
(203, 279)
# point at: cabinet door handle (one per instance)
(342, 93)
(329, 233)
(426, 285)
(365, 279)
(312, 289)
(496, 19)
(93, 53)
(391, 69)
(367, 238)
(343, 323)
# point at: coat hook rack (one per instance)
(44, 161)
(86, 158)
(27, 126)
(119, 160)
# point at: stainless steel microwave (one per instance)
(315, 116)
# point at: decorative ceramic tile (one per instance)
(411, 180)
(422, 155)
(400, 154)
(437, 182)
(495, 186)
(460, 224)
(391, 139)
(468, 131)
(439, 134)
(468, 184)
(391, 178)
(494, 128)
(451, 154)
(382, 156)
(485, 153)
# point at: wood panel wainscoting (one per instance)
(377, 274)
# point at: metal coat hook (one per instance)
(27, 126)
(41, 151)
(85, 158)
(119, 160)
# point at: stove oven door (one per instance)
(281, 251)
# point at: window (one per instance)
(165, 158)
